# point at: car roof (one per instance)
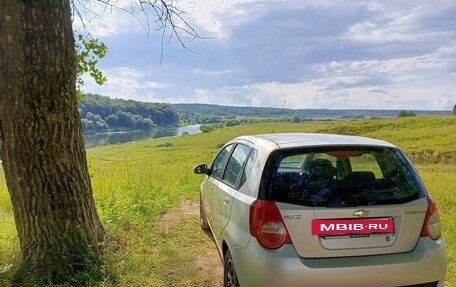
(289, 140)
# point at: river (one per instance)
(101, 139)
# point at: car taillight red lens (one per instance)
(267, 226)
(431, 226)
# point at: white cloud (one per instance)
(217, 17)
(104, 19)
(155, 85)
(341, 74)
(420, 23)
(213, 73)
(127, 83)
(98, 19)
(309, 96)
(270, 94)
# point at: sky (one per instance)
(389, 54)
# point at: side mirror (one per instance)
(201, 169)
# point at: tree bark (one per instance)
(41, 142)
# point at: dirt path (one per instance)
(209, 262)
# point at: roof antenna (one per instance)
(284, 102)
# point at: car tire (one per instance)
(203, 219)
(229, 273)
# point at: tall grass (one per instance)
(441, 184)
(135, 183)
(9, 244)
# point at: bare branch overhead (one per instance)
(159, 15)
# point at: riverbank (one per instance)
(119, 137)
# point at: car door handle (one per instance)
(226, 200)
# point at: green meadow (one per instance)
(137, 184)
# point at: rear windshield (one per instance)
(340, 176)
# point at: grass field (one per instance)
(136, 183)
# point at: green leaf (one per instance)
(88, 52)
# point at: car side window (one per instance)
(235, 163)
(220, 161)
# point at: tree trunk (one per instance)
(41, 142)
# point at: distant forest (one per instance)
(209, 110)
(103, 114)
(216, 116)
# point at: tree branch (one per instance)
(168, 18)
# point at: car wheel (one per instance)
(203, 219)
(229, 274)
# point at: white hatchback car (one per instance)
(320, 210)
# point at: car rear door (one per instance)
(408, 220)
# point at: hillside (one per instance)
(101, 114)
(207, 111)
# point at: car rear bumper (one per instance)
(256, 266)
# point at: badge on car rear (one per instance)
(288, 217)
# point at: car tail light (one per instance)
(431, 226)
(267, 226)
